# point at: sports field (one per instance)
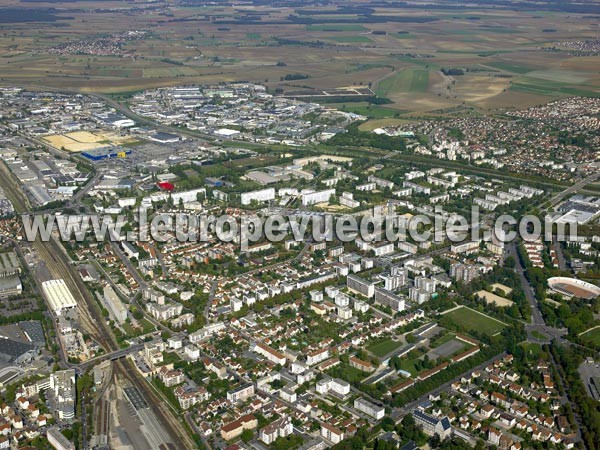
(491, 298)
(471, 320)
(382, 348)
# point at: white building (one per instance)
(331, 433)
(370, 409)
(313, 198)
(58, 296)
(263, 195)
(335, 385)
(114, 304)
(280, 428)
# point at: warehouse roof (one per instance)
(58, 295)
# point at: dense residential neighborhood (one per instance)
(294, 342)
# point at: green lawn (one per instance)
(147, 326)
(593, 336)
(531, 349)
(407, 80)
(409, 366)
(383, 347)
(472, 320)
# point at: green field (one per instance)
(549, 87)
(509, 67)
(404, 36)
(499, 30)
(371, 111)
(592, 337)
(472, 320)
(409, 366)
(531, 349)
(350, 39)
(335, 27)
(407, 80)
(382, 348)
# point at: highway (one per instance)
(556, 199)
(537, 320)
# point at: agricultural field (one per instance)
(471, 320)
(509, 58)
(407, 80)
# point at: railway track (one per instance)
(91, 318)
(175, 427)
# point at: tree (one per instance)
(247, 435)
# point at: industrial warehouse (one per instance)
(58, 296)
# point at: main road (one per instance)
(557, 198)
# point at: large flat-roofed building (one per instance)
(58, 296)
(114, 304)
(360, 285)
(10, 283)
(64, 391)
(58, 440)
(388, 298)
(313, 198)
(10, 286)
(9, 264)
(263, 195)
(370, 409)
(34, 332)
(241, 393)
(16, 352)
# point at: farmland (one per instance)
(408, 80)
(506, 57)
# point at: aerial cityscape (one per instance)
(299, 225)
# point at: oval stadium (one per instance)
(572, 287)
